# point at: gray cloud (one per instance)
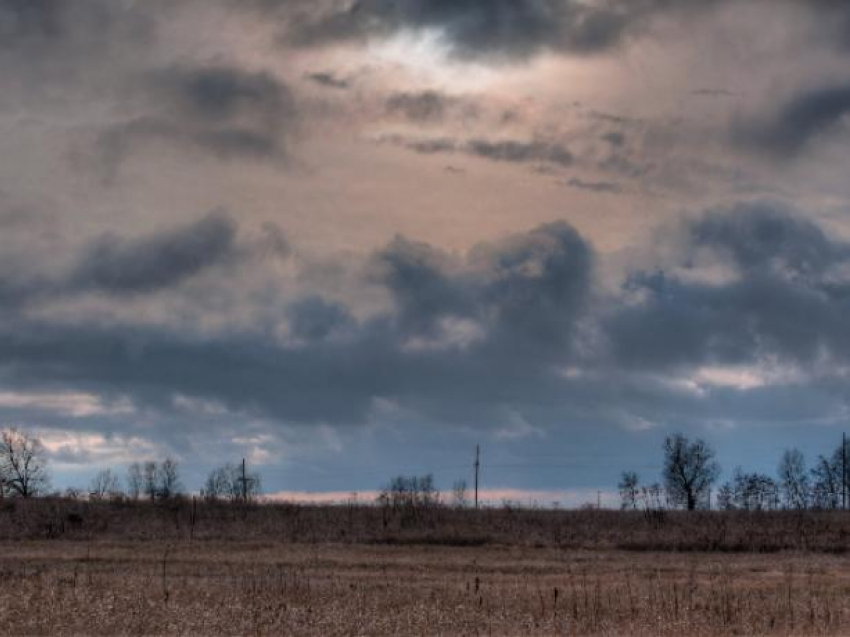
(58, 23)
(615, 138)
(162, 260)
(316, 319)
(521, 151)
(609, 187)
(476, 28)
(525, 294)
(431, 146)
(500, 150)
(513, 326)
(787, 298)
(798, 122)
(329, 80)
(426, 106)
(30, 18)
(224, 110)
(120, 266)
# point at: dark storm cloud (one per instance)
(798, 122)
(470, 336)
(537, 289)
(415, 274)
(507, 29)
(526, 294)
(120, 266)
(769, 237)
(787, 299)
(224, 110)
(316, 319)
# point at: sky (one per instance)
(348, 240)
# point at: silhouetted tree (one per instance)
(104, 485)
(793, 479)
(135, 481)
(652, 497)
(460, 496)
(168, 483)
(628, 486)
(826, 484)
(226, 483)
(410, 491)
(150, 479)
(23, 464)
(689, 470)
(754, 491)
(726, 497)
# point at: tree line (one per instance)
(690, 474)
(689, 479)
(24, 474)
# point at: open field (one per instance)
(150, 587)
(130, 568)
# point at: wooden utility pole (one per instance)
(244, 483)
(477, 464)
(843, 470)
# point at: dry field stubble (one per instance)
(78, 567)
(250, 587)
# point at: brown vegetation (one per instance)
(181, 519)
(211, 568)
(251, 587)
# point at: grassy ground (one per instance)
(212, 587)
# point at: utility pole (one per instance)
(244, 483)
(598, 500)
(477, 464)
(844, 471)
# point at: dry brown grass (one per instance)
(209, 588)
(98, 568)
(681, 531)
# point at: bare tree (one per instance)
(628, 486)
(826, 484)
(150, 479)
(23, 464)
(226, 482)
(793, 479)
(459, 494)
(410, 491)
(753, 492)
(689, 470)
(169, 479)
(726, 497)
(652, 497)
(135, 481)
(104, 485)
